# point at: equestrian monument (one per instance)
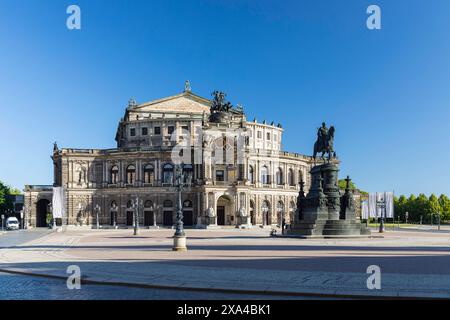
(326, 211)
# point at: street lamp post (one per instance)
(3, 219)
(97, 210)
(382, 205)
(179, 238)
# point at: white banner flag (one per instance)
(373, 205)
(389, 204)
(58, 202)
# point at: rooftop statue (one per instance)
(132, 103)
(324, 143)
(187, 86)
(219, 104)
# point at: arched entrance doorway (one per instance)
(42, 210)
(188, 218)
(130, 215)
(149, 217)
(225, 214)
(265, 209)
(168, 213)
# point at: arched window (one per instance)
(251, 175)
(168, 173)
(300, 176)
(149, 172)
(279, 176)
(265, 175)
(291, 177)
(167, 204)
(131, 174)
(187, 172)
(114, 174)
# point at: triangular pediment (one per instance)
(186, 102)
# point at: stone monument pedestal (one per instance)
(179, 243)
(325, 212)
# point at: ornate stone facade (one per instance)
(240, 176)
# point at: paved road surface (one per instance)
(21, 287)
(413, 263)
(14, 238)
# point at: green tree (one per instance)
(433, 206)
(444, 202)
(421, 208)
(343, 184)
(5, 201)
(400, 206)
(410, 207)
(14, 191)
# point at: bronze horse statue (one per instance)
(324, 145)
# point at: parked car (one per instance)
(12, 223)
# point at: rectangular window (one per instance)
(157, 130)
(144, 131)
(99, 173)
(132, 132)
(220, 175)
(185, 128)
(170, 129)
(268, 136)
(259, 134)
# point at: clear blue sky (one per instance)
(295, 62)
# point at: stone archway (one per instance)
(225, 212)
(188, 216)
(41, 213)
